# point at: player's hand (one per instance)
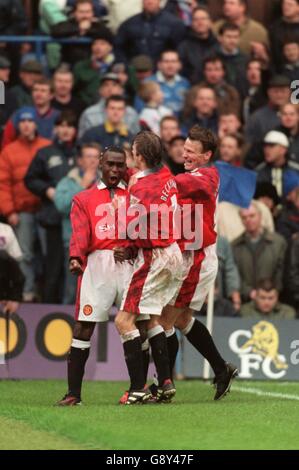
(119, 254)
(236, 300)
(10, 306)
(75, 267)
(133, 180)
(50, 193)
(13, 219)
(84, 26)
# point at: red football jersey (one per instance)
(200, 186)
(155, 191)
(93, 221)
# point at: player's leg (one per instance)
(77, 358)
(199, 336)
(158, 343)
(131, 339)
(142, 327)
(167, 320)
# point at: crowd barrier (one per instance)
(40, 337)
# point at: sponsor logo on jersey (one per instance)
(87, 310)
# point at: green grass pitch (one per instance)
(255, 415)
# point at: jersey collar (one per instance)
(101, 185)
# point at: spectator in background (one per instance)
(230, 149)
(288, 220)
(284, 27)
(266, 193)
(113, 132)
(82, 23)
(5, 66)
(276, 168)
(200, 42)
(228, 279)
(42, 95)
(230, 224)
(173, 85)
(48, 167)
(30, 73)
(174, 159)
(254, 37)
(95, 115)
(89, 72)
(153, 111)
(119, 11)
(229, 124)
(63, 99)
(16, 202)
(258, 254)
(233, 59)
(142, 68)
(83, 176)
(9, 242)
(266, 304)
(290, 66)
(228, 98)
(289, 125)
(13, 22)
(169, 128)
(52, 12)
(201, 108)
(252, 95)
(11, 283)
(149, 32)
(267, 118)
(292, 274)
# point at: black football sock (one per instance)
(199, 336)
(158, 342)
(134, 360)
(173, 347)
(145, 358)
(77, 358)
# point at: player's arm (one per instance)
(81, 235)
(204, 185)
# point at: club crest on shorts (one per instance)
(87, 310)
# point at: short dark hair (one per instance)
(237, 137)
(79, 2)
(266, 284)
(206, 137)
(151, 147)
(201, 8)
(228, 27)
(211, 59)
(118, 98)
(169, 118)
(44, 81)
(114, 149)
(169, 51)
(67, 116)
(90, 145)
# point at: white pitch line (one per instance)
(262, 393)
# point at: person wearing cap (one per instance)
(142, 67)
(42, 94)
(95, 115)
(82, 23)
(267, 117)
(89, 72)
(149, 32)
(266, 194)
(276, 168)
(17, 203)
(49, 166)
(30, 72)
(288, 221)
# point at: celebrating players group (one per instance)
(150, 248)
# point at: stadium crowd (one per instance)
(163, 66)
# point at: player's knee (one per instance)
(83, 330)
(124, 322)
(183, 320)
(153, 322)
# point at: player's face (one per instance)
(113, 168)
(194, 156)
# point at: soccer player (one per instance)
(157, 269)
(101, 280)
(199, 185)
